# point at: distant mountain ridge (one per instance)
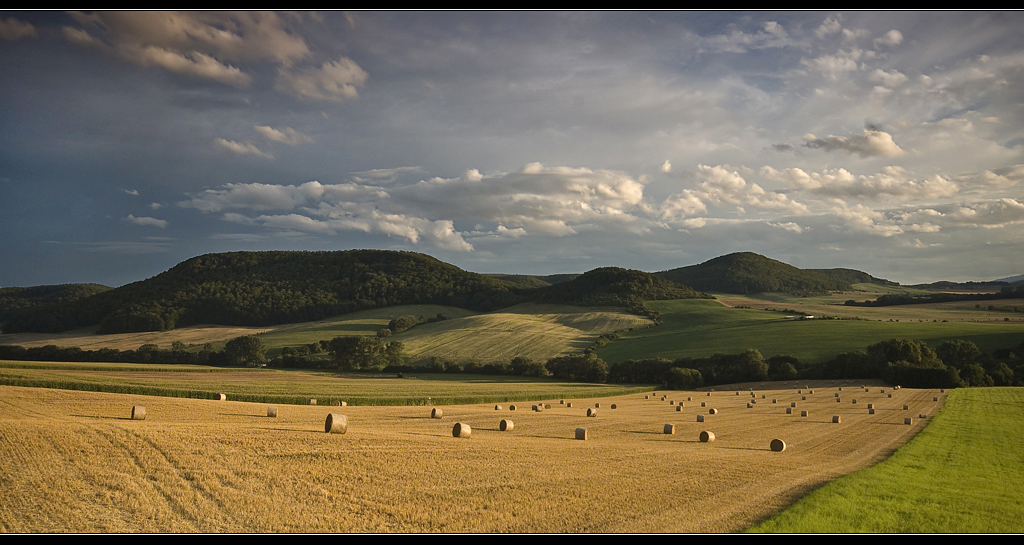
(747, 272)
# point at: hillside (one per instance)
(615, 286)
(853, 276)
(19, 299)
(264, 288)
(748, 272)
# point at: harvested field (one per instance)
(74, 462)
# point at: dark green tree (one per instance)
(246, 350)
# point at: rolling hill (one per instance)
(747, 272)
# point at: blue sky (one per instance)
(518, 142)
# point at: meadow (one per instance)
(75, 462)
(962, 474)
(699, 328)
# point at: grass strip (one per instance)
(962, 474)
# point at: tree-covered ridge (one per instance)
(265, 288)
(853, 276)
(748, 272)
(615, 286)
(18, 299)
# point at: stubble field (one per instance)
(74, 462)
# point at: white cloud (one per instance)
(666, 167)
(891, 38)
(724, 185)
(12, 29)
(890, 79)
(191, 63)
(872, 143)
(829, 26)
(891, 182)
(152, 222)
(288, 136)
(134, 192)
(332, 81)
(243, 148)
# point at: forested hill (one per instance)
(264, 288)
(748, 272)
(854, 276)
(15, 300)
(615, 286)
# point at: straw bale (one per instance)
(336, 423)
(712, 411)
(497, 407)
(777, 445)
(679, 408)
(836, 419)
(803, 413)
(591, 412)
(272, 412)
(670, 429)
(613, 406)
(581, 434)
(871, 411)
(138, 412)
(506, 425)
(222, 397)
(436, 413)
(461, 430)
(312, 402)
(700, 418)
(789, 410)
(908, 420)
(511, 407)
(707, 437)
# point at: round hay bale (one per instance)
(712, 411)
(792, 404)
(343, 403)
(581, 434)
(138, 412)
(511, 407)
(803, 413)
(906, 407)
(670, 402)
(942, 390)
(777, 445)
(854, 401)
(737, 392)
(922, 416)
(506, 425)
(837, 393)
(336, 423)
(647, 397)
(497, 407)
(908, 420)
(840, 388)
(222, 397)
(936, 398)
(871, 411)
(890, 395)
(547, 405)
(709, 393)
(871, 405)
(569, 404)
(839, 400)
(679, 408)
(669, 429)
(591, 412)
(707, 437)
(700, 418)
(312, 402)
(836, 419)
(613, 406)
(272, 412)
(461, 430)
(763, 396)
(882, 390)
(810, 391)
(789, 410)
(750, 405)
(533, 408)
(561, 402)
(703, 404)
(803, 398)
(436, 413)
(775, 400)
(689, 398)
(335, 403)
(597, 405)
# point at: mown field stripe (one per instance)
(963, 473)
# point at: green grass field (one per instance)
(294, 386)
(963, 473)
(699, 328)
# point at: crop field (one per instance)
(699, 328)
(292, 386)
(963, 473)
(529, 330)
(73, 461)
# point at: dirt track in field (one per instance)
(74, 462)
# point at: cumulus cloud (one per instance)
(133, 192)
(833, 65)
(200, 44)
(666, 167)
(144, 220)
(332, 81)
(724, 185)
(383, 175)
(243, 148)
(862, 219)
(891, 38)
(890, 182)
(829, 26)
(12, 29)
(288, 136)
(771, 35)
(872, 143)
(890, 79)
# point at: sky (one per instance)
(514, 142)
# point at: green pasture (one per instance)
(295, 386)
(963, 473)
(699, 328)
